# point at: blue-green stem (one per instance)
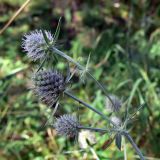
(62, 54)
(134, 145)
(102, 130)
(90, 107)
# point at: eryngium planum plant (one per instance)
(50, 84)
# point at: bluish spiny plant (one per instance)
(50, 84)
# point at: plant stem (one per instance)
(67, 57)
(82, 68)
(134, 145)
(90, 107)
(95, 129)
(101, 87)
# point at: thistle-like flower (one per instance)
(34, 44)
(113, 106)
(48, 85)
(67, 125)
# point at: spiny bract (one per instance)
(34, 44)
(48, 85)
(67, 125)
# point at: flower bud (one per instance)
(48, 85)
(67, 125)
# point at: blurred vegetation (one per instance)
(123, 38)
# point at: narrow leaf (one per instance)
(56, 35)
(45, 37)
(118, 140)
(133, 91)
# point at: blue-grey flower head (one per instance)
(113, 106)
(67, 125)
(48, 85)
(34, 44)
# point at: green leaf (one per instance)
(135, 87)
(56, 35)
(45, 37)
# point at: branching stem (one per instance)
(90, 107)
(105, 130)
(95, 129)
(62, 54)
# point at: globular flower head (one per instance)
(113, 106)
(48, 85)
(34, 44)
(67, 125)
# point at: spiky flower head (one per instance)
(67, 125)
(113, 106)
(48, 85)
(34, 44)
